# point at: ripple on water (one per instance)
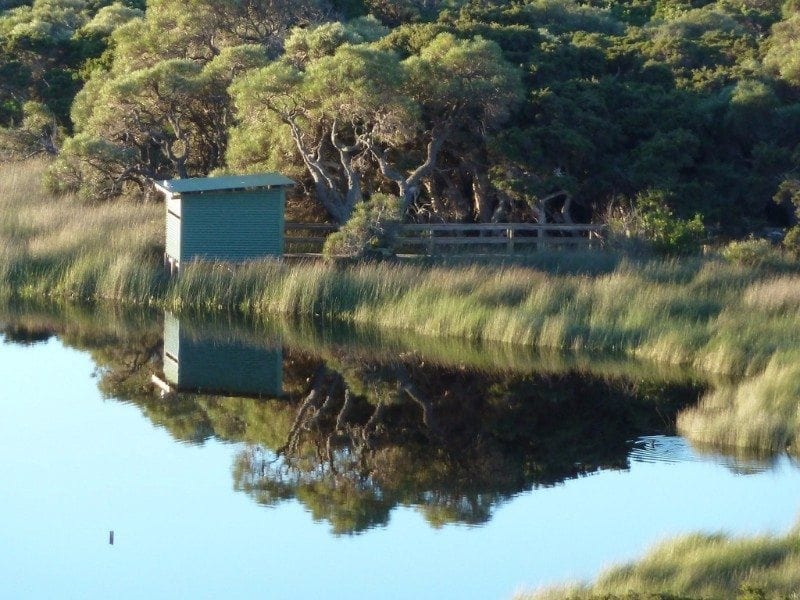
(675, 449)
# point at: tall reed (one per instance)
(59, 247)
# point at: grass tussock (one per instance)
(760, 415)
(701, 566)
(65, 249)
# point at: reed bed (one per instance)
(63, 248)
(710, 316)
(679, 321)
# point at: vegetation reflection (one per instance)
(365, 426)
(368, 436)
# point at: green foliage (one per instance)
(752, 252)
(370, 231)
(490, 109)
(152, 122)
(788, 194)
(307, 45)
(45, 47)
(39, 133)
(355, 116)
(791, 241)
(784, 50)
(91, 167)
(661, 159)
(109, 18)
(667, 233)
(161, 108)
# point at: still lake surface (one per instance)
(369, 467)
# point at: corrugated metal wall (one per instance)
(231, 226)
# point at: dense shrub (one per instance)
(791, 242)
(654, 222)
(752, 252)
(370, 231)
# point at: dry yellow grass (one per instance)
(780, 293)
(61, 247)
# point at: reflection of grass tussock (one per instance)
(760, 415)
(63, 248)
(702, 566)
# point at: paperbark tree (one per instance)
(168, 120)
(162, 109)
(362, 118)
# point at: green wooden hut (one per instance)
(231, 219)
(206, 361)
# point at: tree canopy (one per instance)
(362, 117)
(468, 111)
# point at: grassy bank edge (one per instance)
(698, 566)
(700, 312)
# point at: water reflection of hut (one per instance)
(229, 219)
(212, 362)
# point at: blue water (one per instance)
(75, 466)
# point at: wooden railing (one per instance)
(308, 237)
(506, 238)
(435, 239)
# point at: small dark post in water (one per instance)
(111, 537)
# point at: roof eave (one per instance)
(161, 186)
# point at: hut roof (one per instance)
(198, 185)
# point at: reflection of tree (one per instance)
(366, 437)
(356, 436)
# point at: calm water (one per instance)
(387, 474)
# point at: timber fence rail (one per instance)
(462, 239)
(306, 239)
